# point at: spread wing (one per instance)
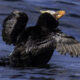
(13, 25)
(67, 44)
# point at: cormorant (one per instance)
(35, 45)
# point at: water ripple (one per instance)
(12, 0)
(74, 15)
(62, 69)
(65, 2)
(47, 8)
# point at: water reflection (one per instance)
(52, 73)
(41, 78)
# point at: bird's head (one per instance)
(49, 19)
(56, 14)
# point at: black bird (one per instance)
(34, 45)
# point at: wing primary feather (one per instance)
(67, 44)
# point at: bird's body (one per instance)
(35, 50)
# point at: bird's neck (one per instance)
(45, 30)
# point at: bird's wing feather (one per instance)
(67, 44)
(13, 25)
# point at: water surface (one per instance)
(60, 67)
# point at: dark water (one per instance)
(60, 67)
